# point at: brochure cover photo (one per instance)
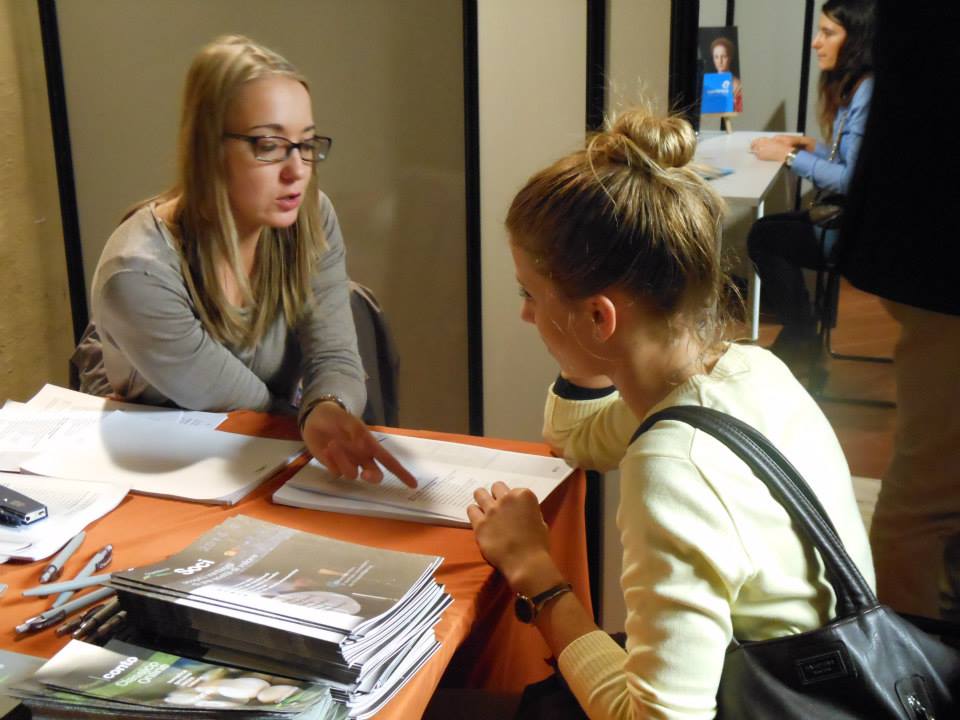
(131, 674)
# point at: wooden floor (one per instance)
(865, 432)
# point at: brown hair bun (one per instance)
(637, 137)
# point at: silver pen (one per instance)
(98, 562)
(53, 570)
(78, 583)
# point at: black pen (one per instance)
(97, 618)
(71, 625)
(106, 630)
(58, 614)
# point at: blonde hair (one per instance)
(204, 223)
(629, 211)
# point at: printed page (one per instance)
(71, 506)
(413, 450)
(193, 463)
(24, 432)
(58, 399)
(447, 475)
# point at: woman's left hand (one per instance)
(513, 537)
(344, 444)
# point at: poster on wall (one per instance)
(719, 56)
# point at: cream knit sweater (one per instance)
(707, 552)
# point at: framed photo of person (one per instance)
(719, 56)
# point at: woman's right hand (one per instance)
(344, 444)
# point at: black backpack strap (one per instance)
(789, 488)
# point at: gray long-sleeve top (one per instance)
(157, 351)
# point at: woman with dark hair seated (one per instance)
(781, 244)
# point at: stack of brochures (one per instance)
(264, 596)
(125, 680)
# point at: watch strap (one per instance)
(326, 397)
(534, 605)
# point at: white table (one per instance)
(747, 186)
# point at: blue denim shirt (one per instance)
(835, 176)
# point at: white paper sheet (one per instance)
(24, 432)
(55, 398)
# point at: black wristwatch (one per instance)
(527, 608)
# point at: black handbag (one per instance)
(826, 211)
(868, 663)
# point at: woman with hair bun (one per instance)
(783, 243)
(616, 254)
(229, 290)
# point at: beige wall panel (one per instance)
(387, 85)
(532, 111)
(638, 70)
(638, 54)
(36, 335)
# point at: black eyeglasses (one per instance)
(274, 149)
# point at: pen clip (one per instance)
(105, 556)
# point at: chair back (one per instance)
(378, 352)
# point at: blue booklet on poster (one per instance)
(717, 93)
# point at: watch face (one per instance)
(524, 609)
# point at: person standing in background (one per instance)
(898, 240)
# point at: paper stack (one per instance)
(361, 618)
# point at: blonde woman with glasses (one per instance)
(229, 291)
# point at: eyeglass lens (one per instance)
(277, 149)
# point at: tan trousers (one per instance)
(919, 502)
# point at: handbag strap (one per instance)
(788, 487)
(835, 148)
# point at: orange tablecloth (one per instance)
(482, 644)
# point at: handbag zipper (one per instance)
(919, 711)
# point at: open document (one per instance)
(175, 460)
(447, 474)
